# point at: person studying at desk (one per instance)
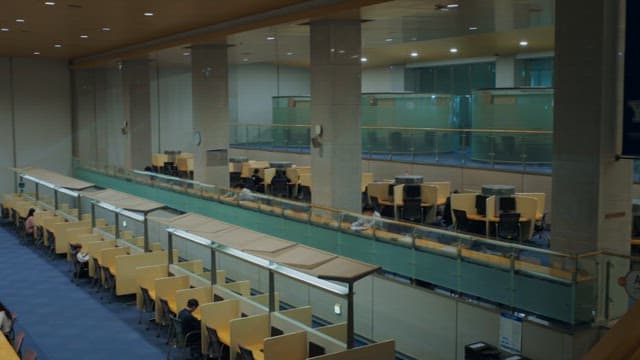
(190, 326)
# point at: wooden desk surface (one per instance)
(6, 349)
(477, 217)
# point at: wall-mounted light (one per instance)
(337, 309)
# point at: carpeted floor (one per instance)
(67, 321)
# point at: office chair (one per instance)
(97, 274)
(462, 223)
(280, 186)
(79, 268)
(17, 343)
(215, 346)
(412, 210)
(109, 282)
(245, 354)
(52, 243)
(508, 228)
(165, 318)
(305, 193)
(38, 232)
(179, 340)
(148, 306)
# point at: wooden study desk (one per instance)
(6, 350)
(478, 217)
(257, 349)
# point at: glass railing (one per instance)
(552, 285)
(515, 150)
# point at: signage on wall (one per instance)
(631, 114)
(510, 333)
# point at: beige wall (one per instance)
(35, 116)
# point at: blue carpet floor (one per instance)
(67, 321)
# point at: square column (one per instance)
(136, 125)
(210, 97)
(335, 109)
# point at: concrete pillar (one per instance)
(591, 190)
(101, 114)
(209, 85)
(84, 115)
(136, 126)
(335, 92)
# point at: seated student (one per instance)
(190, 324)
(28, 223)
(5, 320)
(367, 221)
(257, 180)
(82, 256)
(243, 193)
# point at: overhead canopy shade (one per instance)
(123, 200)
(300, 257)
(55, 178)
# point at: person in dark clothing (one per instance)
(190, 324)
(257, 181)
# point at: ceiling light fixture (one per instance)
(49, 3)
(4, 29)
(36, 53)
(245, 59)
(473, 28)
(363, 59)
(453, 50)
(20, 21)
(524, 43)
(84, 36)
(289, 53)
(148, 13)
(271, 38)
(388, 39)
(186, 53)
(106, 29)
(452, 6)
(57, 45)
(414, 54)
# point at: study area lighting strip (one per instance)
(265, 264)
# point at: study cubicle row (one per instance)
(501, 272)
(120, 263)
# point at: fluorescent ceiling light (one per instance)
(414, 54)
(36, 53)
(473, 28)
(57, 45)
(49, 3)
(524, 43)
(148, 13)
(363, 59)
(453, 50)
(106, 29)
(271, 37)
(452, 6)
(4, 29)
(84, 36)
(19, 20)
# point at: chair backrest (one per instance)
(412, 191)
(177, 328)
(245, 354)
(214, 340)
(412, 209)
(147, 302)
(17, 343)
(461, 219)
(30, 355)
(509, 226)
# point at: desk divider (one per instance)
(490, 206)
(384, 350)
(126, 269)
(95, 248)
(291, 346)
(302, 315)
(337, 331)
(444, 189)
(240, 287)
(218, 315)
(204, 295)
(60, 231)
(193, 266)
(528, 208)
(156, 247)
(249, 331)
(108, 255)
(48, 224)
(463, 201)
(146, 277)
(166, 288)
(263, 299)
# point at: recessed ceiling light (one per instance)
(388, 39)
(36, 53)
(4, 29)
(186, 53)
(19, 20)
(363, 59)
(106, 29)
(84, 36)
(414, 54)
(245, 59)
(148, 13)
(473, 28)
(49, 3)
(271, 38)
(57, 45)
(453, 50)
(524, 43)
(289, 53)
(452, 6)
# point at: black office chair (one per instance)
(165, 317)
(38, 233)
(304, 193)
(462, 223)
(109, 283)
(245, 354)
(216, 347)
(52, 243)
(508, 228)
(148, 306)
(280, 186)
(97, 274)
